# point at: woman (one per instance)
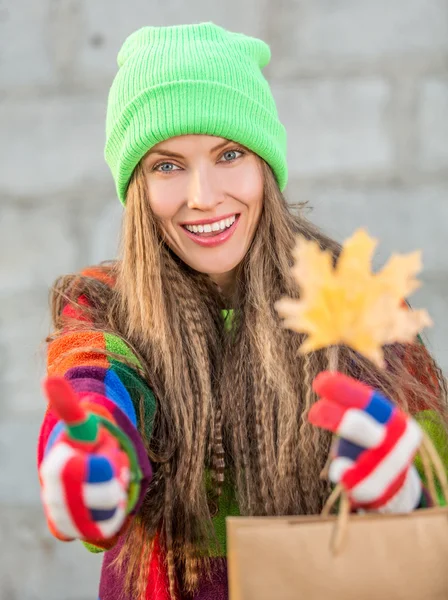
(177, 346)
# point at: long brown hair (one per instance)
(234, 403)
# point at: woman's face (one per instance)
(207, 193)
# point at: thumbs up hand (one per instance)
(85, 475)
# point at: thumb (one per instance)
(81, 426)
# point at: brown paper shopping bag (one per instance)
(343, 557)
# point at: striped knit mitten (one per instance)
(85, 475)
(376, 447)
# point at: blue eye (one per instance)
(230, 155)
(165, 167)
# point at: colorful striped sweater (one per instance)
(114, 388)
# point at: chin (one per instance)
(212, 268)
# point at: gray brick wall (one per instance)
(362, 88)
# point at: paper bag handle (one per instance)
(431, 463)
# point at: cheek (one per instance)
(163, 201)
(248, 187)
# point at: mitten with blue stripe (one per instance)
(377, 443)
(86, 474)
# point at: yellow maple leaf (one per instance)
(348, 304)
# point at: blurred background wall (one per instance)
(362, 87)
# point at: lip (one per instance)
(217, 240)
(208, 221)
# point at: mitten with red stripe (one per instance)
(377, 443)
(86, 476)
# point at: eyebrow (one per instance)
(176, 155)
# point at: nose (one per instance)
(203, 189)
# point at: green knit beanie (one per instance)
(191, 79)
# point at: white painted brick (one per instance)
(104, 242)
(35, 246)
(335, 126)
(24, 53)
(103, 37)
(23, 468)
(433, 295)
(24, 324)
(65, 25)
(35, 566)
(52, 144)
(362, 30)
(433, 124)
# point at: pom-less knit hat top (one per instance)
(191, 79)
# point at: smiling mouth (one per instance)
(212, 239)
(211, 229)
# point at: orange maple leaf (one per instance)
(350, 305)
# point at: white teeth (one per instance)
(216, 226)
